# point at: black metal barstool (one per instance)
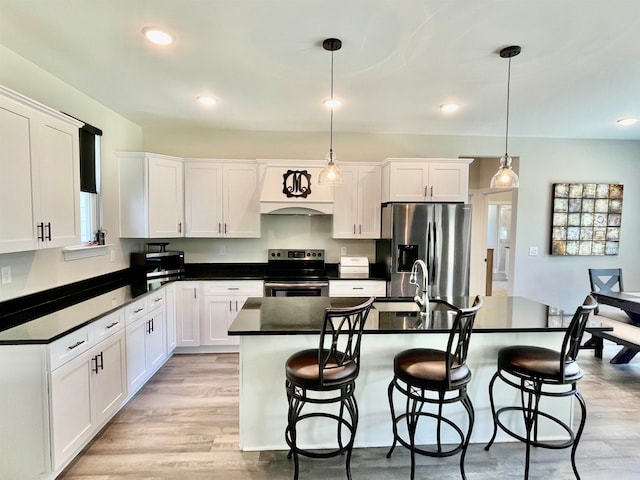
(425, 375)
(332, 368)
(532, 369)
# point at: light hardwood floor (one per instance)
(184, 425)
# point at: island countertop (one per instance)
(304, 315)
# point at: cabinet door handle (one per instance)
(425, 191)
(49, 231)
(101, 361)
(229, 305)
(236, 305)
(94, 367)
(431, 191)
(354, 228)
(151, 325)
(111, 325)
(179, 227)
(225, 228)
(148, 324)
(76, 345)
(219, 227)
(40, 229)
(195, 292)
(360, 229)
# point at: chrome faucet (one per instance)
(422, 291)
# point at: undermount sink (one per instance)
(407, 306)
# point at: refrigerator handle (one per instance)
(433, 248)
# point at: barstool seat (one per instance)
(538, 362)
(427, 368)
(530, 370)
(431, 376)
(325, 375)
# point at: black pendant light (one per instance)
(331, 175)
(505, 177)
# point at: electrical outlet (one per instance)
(223, 249)
(343, 251)
(533, 251)
(6, 275)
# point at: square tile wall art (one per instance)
(586, 218)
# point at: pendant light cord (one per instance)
(506, 138)
(331, 115)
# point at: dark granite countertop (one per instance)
(47, 328)
(304, 315)
(258, 271)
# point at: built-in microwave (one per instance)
(151, 270)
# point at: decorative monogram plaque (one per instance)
(297, 183)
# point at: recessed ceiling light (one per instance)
(206, 100)
(331, 103)
(449, 107)
(157, 36)
(626, 122)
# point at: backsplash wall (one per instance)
(278, 231)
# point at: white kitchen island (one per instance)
(271, 329)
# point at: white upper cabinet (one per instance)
(151, 195)
(221, 199)
(356, 207)
(40, 179)
(425, 180)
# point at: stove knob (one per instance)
(319, 254)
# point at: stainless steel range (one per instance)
(296, 273)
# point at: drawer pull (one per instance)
(158, 299)
(75, 345)
(358, 288)
(111, 325)
(233, 288)
(138, 310)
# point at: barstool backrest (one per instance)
(573, 335)
(606, 279)
(340, 338)
(459, 336)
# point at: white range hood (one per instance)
(291, 187)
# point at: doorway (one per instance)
(499, 240)
(493, 235)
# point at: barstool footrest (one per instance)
(550, 444)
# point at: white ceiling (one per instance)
(579, 70)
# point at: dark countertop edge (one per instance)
(407, 332)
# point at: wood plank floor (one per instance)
(184, 425)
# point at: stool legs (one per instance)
(348, 407)
(530, 395)
(414, 403)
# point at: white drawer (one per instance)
(247, 288)
(70, 346)
(135, 310)
(107, 326)
(156, 299)
(357, 288)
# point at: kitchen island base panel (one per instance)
(263, 402)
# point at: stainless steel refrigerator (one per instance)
(437, 233)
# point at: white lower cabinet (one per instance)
(56, 397)
(222, 302)
(187, 314)
(357, 288)
(85, 392)
(205, 310)
(146, 347)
